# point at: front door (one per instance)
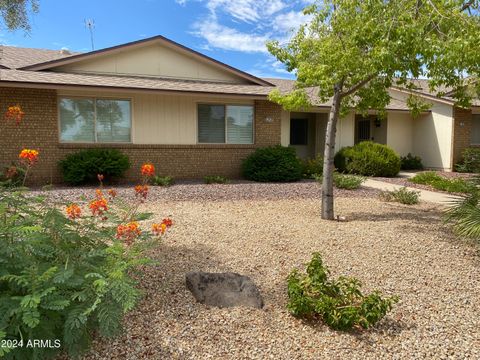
(363, 128)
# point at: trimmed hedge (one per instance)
(83, 166)
(368, 159)
(273, 164)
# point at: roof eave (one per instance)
(71, 59)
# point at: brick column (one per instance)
(267, 123)
(462, 125)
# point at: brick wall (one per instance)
(462, 124)
(39, 130)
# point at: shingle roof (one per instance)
(14, 58)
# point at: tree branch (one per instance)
(467, 5)
(359, 85)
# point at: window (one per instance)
(475, 132)
(225, 124)
(95, 120)
(299, 132)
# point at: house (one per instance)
(159, 101)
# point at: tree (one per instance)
(353, 51)
(15, 13)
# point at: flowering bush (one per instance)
(14, 113)
(66, 269)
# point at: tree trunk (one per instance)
(328, 156)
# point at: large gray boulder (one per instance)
(223, 289)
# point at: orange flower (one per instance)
(128, 232)
(73, 211)
(148, 170)
(141, 191)
(159, 229)
(99, 194)
(29, 156)
(168, 222)
(112, 193)
(14, 113)
(98, 206)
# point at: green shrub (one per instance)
(426, 178)
(348, 182)
(215, 179)
(312, 167)
(438, 182)
(411, 162)
(83, 166)
(368, 159)
(162, 181)
(402, 195)
(273, 164)
(470, 161)
(12, 176)
(338, 302)
(464, 214)
(64, 277)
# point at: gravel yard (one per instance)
(263, 231)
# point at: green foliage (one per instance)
(417, 105)
(338, 302)
(368, 159)
(438, 182)
(215, 179)
(402, 195)
(312, 167)
(411, 162)
(15, 13)
(163, 181)
(83, 166)
(273, 164)
(464, 215)
(12, 176)
(348, 182)
(470, 161)
(61, 278)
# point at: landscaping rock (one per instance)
(223, 289)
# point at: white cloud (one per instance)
(222, 37)
(290, 21)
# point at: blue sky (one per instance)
(232, 31)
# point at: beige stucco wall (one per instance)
(400, 132)
(162, 119)
(345, 132)
(432, 137)
(153, 60)
(432, 134)
(285, 128)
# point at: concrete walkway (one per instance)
(425, 195)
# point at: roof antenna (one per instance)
(90, 25)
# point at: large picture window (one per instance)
(475, 132)
(95, 120)
(225, 124)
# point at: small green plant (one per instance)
(470, 161)
(411, 162)
(438, 182)
(402, 195)
(312, 167)
(348, 182)
(368, 159)
(464, 215)
(83, 166)
(215, 179)
(162, 181)
(273, 164)
(338, 302)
